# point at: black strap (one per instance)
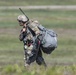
(33, 33)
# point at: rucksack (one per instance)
(49, 37)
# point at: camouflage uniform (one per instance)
(31, 48)
(26, 37)
(34, 26)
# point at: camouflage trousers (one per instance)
(33, 53)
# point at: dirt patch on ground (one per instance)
(66, 32)
(9, 30)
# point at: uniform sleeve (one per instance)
(22, 35)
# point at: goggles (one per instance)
(21, 21)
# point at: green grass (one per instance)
(53, 70)
(48, 18)
(36, 2)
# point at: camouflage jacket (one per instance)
(34, 26)
(26, 36)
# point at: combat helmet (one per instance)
(22, 18)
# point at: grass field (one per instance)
(60, 62)
(35, 2)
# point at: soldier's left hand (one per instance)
(23, 30)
